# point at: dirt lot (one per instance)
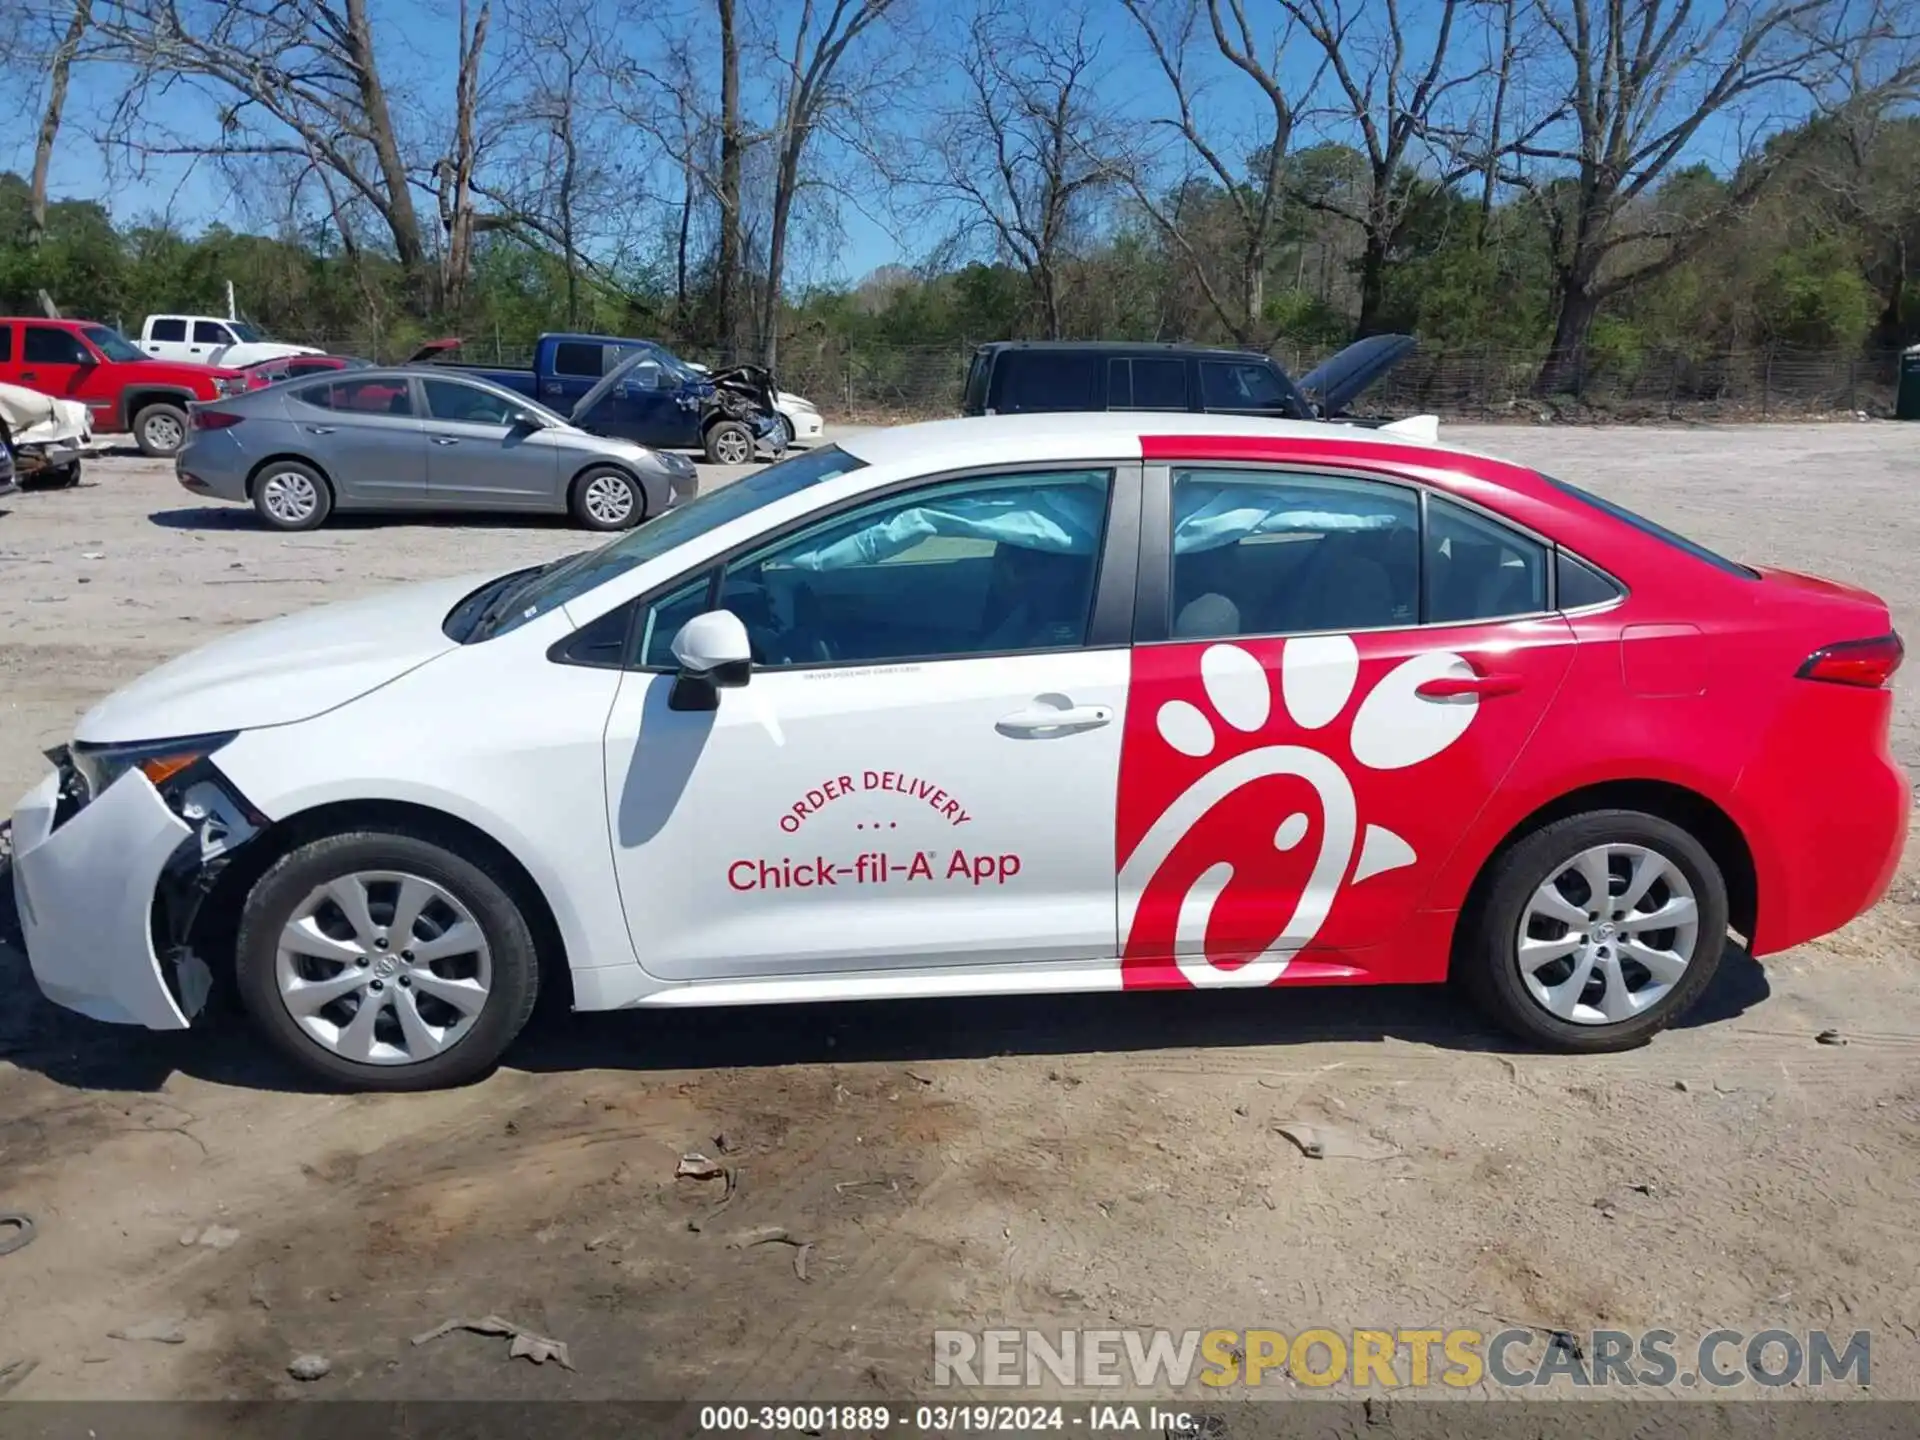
(1037, 1163)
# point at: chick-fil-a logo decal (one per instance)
(1243, 817)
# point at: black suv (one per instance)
(1023, 377)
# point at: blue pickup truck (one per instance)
(640, 391)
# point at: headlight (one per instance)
(158, 760)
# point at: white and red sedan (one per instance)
(1028, 705)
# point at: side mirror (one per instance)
(526, 420)
(714, 655)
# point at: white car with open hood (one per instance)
(881, 720)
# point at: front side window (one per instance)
(112, 344)
(571, 578)
(453, 401)
(1241, 385)
(205, 332)
(170, 331)
(1271, 553)
(973, 567)
(48, 346)
(1478, 569)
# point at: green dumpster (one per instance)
(1906, 403)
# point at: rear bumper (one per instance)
(1830, 818)
(85, 892)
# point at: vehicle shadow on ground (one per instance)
(241, 517)
(39, 1036)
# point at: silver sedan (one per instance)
(395, 439)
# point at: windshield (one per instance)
(555, 585)
(672, 363)
(112, 344)
(245, 332)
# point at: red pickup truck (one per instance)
(124, 389)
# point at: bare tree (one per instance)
(1029, 147)
(733, 148)
(59, 68)
(1234, 283)
(814, 92)
(1638, 82)
(454, 173)
(1390, 83)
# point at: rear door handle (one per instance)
(1043, 720)
(318, 429)
(1462, 687)
(445, 440)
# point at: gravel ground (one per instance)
(1076, 1161)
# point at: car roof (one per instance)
(1119, 347)
(1089, 435)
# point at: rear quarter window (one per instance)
(1657, 531)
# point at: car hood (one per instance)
(1334, 384)
(283, 670)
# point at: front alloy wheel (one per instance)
(387, 960)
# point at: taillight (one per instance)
(1868, 663)
(215, 419)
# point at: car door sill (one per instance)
(1060, 979)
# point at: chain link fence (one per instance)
(870, 383)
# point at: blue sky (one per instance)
(418, 43)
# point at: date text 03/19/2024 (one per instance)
(948, 1419)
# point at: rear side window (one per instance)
(1241, 385)
(1477, 569)
(1147, 384)
(360, 397)
(170, 330)
(1044, 381)
(576, 357)
(1658, 532)
(6, 343)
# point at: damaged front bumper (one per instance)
(108, 888)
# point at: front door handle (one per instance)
(1042, 721)
(445, 440)
(318, 429)
(1463, 687)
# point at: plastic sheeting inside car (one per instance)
(1063, 516)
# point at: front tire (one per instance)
(606, 498)
(160, 430)
(288, 495)
(387, 960)
(1558, 963)
(729, 442)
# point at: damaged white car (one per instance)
(45, 436)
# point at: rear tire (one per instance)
(729, 442)
(289, 495)
(160, 430)
(308, 966)
(607, 498)
(1538, 896)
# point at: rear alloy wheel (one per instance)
(1597, 931)
(160, 430)
(386, 961)
(607, 499)
(729, 442)
(291, 496)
